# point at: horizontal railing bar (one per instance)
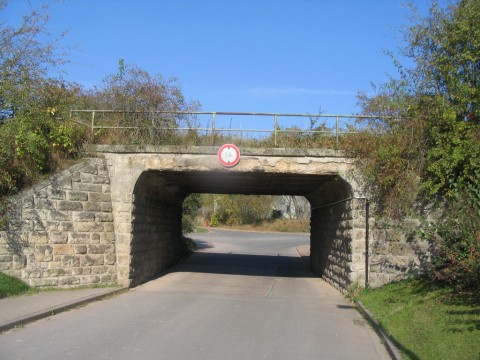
(351, 116)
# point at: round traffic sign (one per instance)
(229, 155)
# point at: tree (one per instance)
(242, 209)
(143, 101)
(190, 207)
(446, 81)
(33, 105)
(433, 134)
(26, 57)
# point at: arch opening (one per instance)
(157, 216)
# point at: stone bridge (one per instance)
(116, 217)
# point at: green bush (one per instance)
(190, 207)
(456, 243)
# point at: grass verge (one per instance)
(277, 225)
(427, 322)
(10, 286)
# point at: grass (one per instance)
(10, 286)
(278, 225)
(427, 322)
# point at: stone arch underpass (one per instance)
(148, 186)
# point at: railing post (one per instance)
(336, 131)
(93, 122)
(367, 230)
(275, 125)
(213, 129)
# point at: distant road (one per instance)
(243, 295)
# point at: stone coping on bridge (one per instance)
(212, 150)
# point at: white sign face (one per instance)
(229, 155)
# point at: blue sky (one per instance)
(282, 56)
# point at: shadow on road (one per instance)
(245, 264)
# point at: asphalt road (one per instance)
(241, 296)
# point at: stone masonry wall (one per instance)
(331, 246)
(396, 252)
(60, 232)
(156, 232)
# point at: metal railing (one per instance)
(213, 123)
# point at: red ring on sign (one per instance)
(228, 155)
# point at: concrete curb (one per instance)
(20, 321)
(305, 258)
(389, 343)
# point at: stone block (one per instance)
(108, 279)
(34, 214)
(63, 249)
(124, 228)
(97, 249)
(66, 226)
(56, 215)
(90, 169)
(106, 207)
(107, 238)
(57, 237)
(70, 206)
(75, 177)
(358, 234)
(123, 248)
(87, 187)
(92, 206)
(69, 281)
(91, 260)
(44, 204)
(77, 196)
(43, 253)
(70, 261)
(110, 259)
(42, 282)
(119, 206)
(86, 178)
(51, 226)
(38, 237)
(80, 249)
(108, 227)
(99, 270)
(78, 238)
(84, 217)
(98, 197)
(89, 227)
(53, 272)
(77, 271)
(6, 258)
(100, 179)
(123, 217)
(104, 217)
(57, 194)
(28, 202)
(358, 247)
(63, 183)
(5, 266)
(39, 191)
(95, 238)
